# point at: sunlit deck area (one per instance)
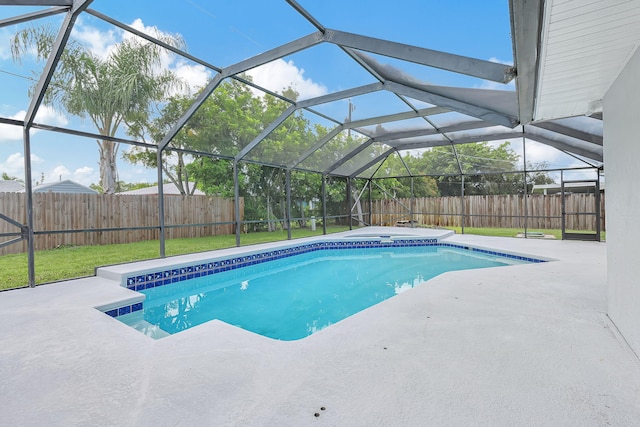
(519, 345)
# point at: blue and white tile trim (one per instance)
(177, 274)
(121, 311)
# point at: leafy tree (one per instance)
(227, 121)
(174, 162)
(482, 164)
(423, 186)
(113, 91)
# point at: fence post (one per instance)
(161, 223)
(411, 207)
(526, 210)
(236, 200)
(287, 177)
(324, 205)
(349, 201)
(27, 231)
(462, 202)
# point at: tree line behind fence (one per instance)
(59, 211)
(498, 211)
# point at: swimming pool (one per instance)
(291, 293)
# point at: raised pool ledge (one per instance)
(136, 274)
(143, 275)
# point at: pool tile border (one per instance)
(144, 281)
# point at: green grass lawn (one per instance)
(513, 232)
(79, 261)
(502, 232)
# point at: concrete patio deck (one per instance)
(521, 345)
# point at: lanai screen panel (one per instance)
(365, 106)
(115, 88)
(289, 141)
(333, 151)
(406, 72)
(316, 71)
(230, 119)
(361, 159)
(543, 156)
(390, 130)
(22, 73)
(370, 171)
(438, 160)
(451, 118)
(566, 143)
(225, 23)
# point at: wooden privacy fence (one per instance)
(61, 211)
(500, 211)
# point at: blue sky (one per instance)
(225, 32)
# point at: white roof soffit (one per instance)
(580, 48)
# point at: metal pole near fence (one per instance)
(27, 231)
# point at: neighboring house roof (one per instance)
(574, 187)
(66, 186)
(168, 188)
(11, 186)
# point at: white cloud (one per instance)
(45, 115)
(50, 116)
(279, 75)
(59, 173)
(538, 152)
(5, 50)
(100, 43)
(511, 86)
(500, 61)
(10, 132)
(14, 164)
(195, 76)
(86, 176)
(103, 43)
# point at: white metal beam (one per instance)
(526, 21)
(458, 64)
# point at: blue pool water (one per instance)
(291, 298)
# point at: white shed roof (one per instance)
(168, 188)
(66, 186)
(11, 186)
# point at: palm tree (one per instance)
(7, 177)
(111, 91)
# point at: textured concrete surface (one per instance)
(521, 345)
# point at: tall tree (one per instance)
(481, 163)
(223, 124)
(111, 91)
(173, 161)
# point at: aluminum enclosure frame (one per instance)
(509, 112)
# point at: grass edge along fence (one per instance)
(130, 218)
(71, 262)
